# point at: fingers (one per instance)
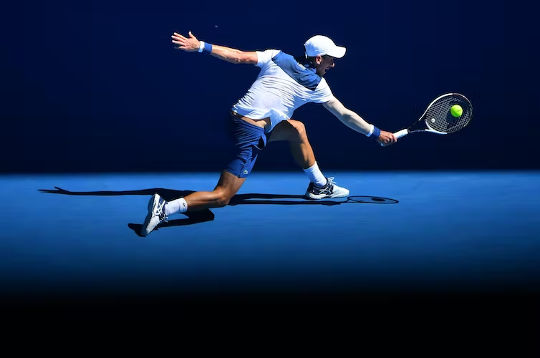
(189, 44)
(178, 39)
(387, 139)
(390, 137)
(180, 46)
(180, 43)
(178, 36)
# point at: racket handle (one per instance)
(401, 133)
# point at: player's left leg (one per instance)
(248, 140)
(159, 209)
(295, 133)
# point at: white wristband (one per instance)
(201, 46)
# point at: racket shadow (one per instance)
(277, 199)
(208, 215)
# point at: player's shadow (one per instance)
(239, 199)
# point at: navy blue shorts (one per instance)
(248, 140)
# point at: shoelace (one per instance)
(328, 188)
(161, 210)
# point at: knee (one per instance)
(299, 129)
(222, 198)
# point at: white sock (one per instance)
(175, 206)
(315, 176)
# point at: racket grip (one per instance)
(401, 133)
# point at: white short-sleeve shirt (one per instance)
(282, 86)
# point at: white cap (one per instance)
(322, 45)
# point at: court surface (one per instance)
(405, 231)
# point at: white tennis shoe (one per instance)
(330, 190)
(156, 214)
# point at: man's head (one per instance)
(321, 52)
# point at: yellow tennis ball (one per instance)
(456, 110)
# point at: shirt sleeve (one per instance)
(322, 93)
(263, 57)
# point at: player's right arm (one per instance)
(192, 44)
(355, 122)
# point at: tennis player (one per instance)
(264, 115)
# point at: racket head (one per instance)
(438, 119)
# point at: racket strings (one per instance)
(439, 118)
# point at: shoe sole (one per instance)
(151, 205)
(324, 196)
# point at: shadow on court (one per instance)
(239, 199)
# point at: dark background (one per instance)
(97, 86)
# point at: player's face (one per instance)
(324, 63)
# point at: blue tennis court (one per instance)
(429, 231)
(407, 249)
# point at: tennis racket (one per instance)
(438, 119)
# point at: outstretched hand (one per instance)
(386, 138)
(188, 44)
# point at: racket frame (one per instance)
(406, 131)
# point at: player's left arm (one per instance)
(357, 123)
(192, 44)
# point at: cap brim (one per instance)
(337, 52)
